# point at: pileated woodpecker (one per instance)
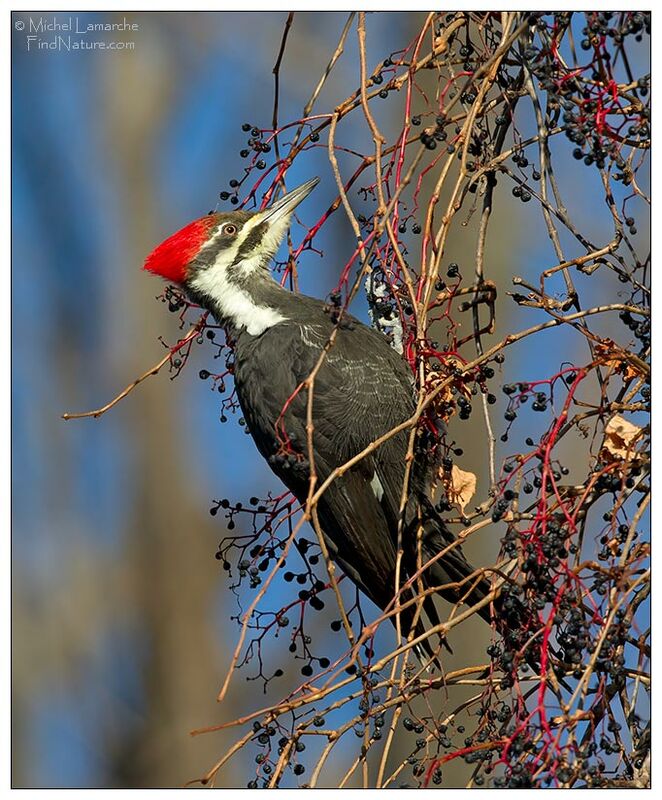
(361, 392)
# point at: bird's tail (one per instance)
(457, 581)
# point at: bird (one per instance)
(362, 389)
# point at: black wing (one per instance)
(362, 391)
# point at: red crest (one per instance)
(171, 258)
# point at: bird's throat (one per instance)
(235, 305)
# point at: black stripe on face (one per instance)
(208, 255)
(250, 243)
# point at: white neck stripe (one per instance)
(233, 303)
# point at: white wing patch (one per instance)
(377, 488)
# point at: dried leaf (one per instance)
(620, 437)
(628, 372)
(444, 403)
(461, 487)
(617, 359)
(446, 394)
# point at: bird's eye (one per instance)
(229, 229)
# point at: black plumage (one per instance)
(362, 390)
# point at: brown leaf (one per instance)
(620, 437)
(616, 358)
(444, 402)
(461, 487)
